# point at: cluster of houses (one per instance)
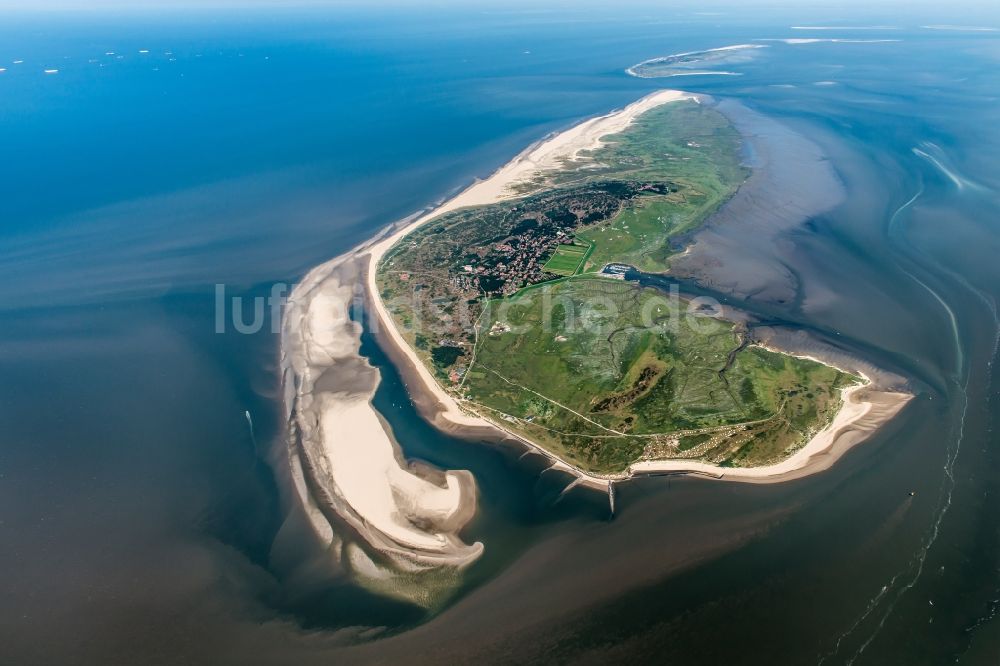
(510, 265)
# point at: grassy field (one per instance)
(638, 236)
(692, 147)
(567, 259)
(604, 373)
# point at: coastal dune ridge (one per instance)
(350, 473)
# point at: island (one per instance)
(520, 311)
(516, 312)
(696, 63)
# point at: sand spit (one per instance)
(390, 524)
(636, 69)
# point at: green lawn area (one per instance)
(637, 236)
(567, 259)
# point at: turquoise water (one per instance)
(141, 518)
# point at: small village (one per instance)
(506, 267)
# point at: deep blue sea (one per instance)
(142, 520)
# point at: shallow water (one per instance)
(143, 519)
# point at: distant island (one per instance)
(696, 63)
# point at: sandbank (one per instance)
(384, 520)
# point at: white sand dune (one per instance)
(634, 69)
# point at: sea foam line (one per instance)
(951, 456)
(832, 40)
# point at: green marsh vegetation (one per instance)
(605, 373)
